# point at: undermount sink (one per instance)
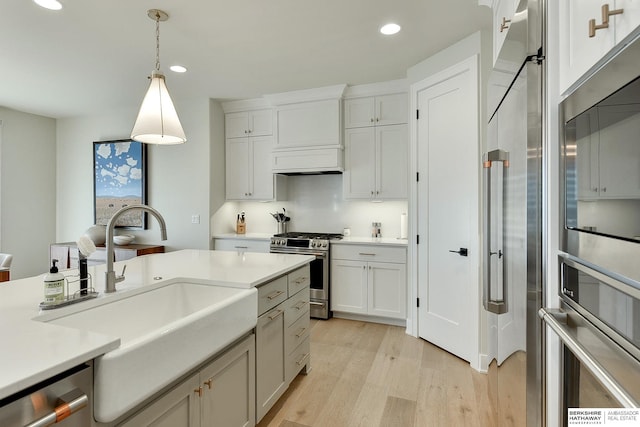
(164, 332)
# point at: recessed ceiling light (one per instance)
(178, 69)
(390, 29)
(49, 4)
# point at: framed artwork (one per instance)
(119, 180)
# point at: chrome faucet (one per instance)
(110, 275)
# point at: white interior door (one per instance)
(448, 210)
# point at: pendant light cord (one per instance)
(157, 41)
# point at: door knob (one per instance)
(461, 252)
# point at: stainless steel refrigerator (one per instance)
(512, 218)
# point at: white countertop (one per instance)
(386, 241)
(33, 351)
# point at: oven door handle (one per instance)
(550, 317)
(316, 254)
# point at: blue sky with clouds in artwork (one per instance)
(118, 169)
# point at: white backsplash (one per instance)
(315, 204)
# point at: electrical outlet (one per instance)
(195, 219)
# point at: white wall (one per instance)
(315, 204)
(178, 179)
(28, 190)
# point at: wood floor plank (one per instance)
(398, 412)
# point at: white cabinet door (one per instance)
(179, 407)
(391, 162)
(359, 112)
(349, 286)
(308, 124)
(270, 360)
(578, 51)
(359, 180)
(387, 289)
(260, 123)
(503, 11)
(248, 123)
(391, 109)
(381, 110)
(236, 125)
(260, 175)
(228, 384)
(237, 168)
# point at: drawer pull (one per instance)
(301, 280)
(299, 305)
(198, 391)
(274, 295)
(274, 316)
(304, 356)
(241, 247)
(209, 383)
(301, 333)
(367, 254)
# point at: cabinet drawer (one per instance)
(369, 253)
(297, 306)
(297, 360)
(272, 294)
(241, 245)
(297, 333)
(299, 279)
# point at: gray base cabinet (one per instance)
(220, 393)
(282, 336)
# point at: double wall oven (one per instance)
(317, 244)
(599, 275)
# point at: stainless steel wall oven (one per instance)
(599, 278)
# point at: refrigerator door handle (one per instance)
(493, 305)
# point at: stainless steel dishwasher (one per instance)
(63, 400)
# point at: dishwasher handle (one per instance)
(72, 402)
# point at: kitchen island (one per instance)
(34, 350)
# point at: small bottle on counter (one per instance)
(53, 285)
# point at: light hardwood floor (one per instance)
(367, 374)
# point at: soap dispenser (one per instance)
(53, 285)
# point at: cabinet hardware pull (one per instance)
(304, 356)
(274, 295)
(246, 131)
(241, 247)
(604, 189)
(377, 119)
(606, 13)
(504, 25)
(274, 316)
(209, 383)
(198, 391)
(301, 280)
(372, 192)
(300, 305)
(366, 253)
(301, 333)
(371, 119)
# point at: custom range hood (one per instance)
(308, 131)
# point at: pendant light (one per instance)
(157, 121)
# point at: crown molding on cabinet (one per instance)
(374, 89)
(245, 104)
(306, 95)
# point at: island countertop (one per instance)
(33, 351)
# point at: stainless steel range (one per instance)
(317, 244)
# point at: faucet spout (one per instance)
(110, 275)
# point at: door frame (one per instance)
(471, 62)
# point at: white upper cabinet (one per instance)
(248, 123)
(376, 146)
(376, 110)
(588, 33)
(503, 14)
(376, 163)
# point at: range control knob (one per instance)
(324, 244)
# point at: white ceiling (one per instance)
(95, 55)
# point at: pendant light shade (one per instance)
(158, 121)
